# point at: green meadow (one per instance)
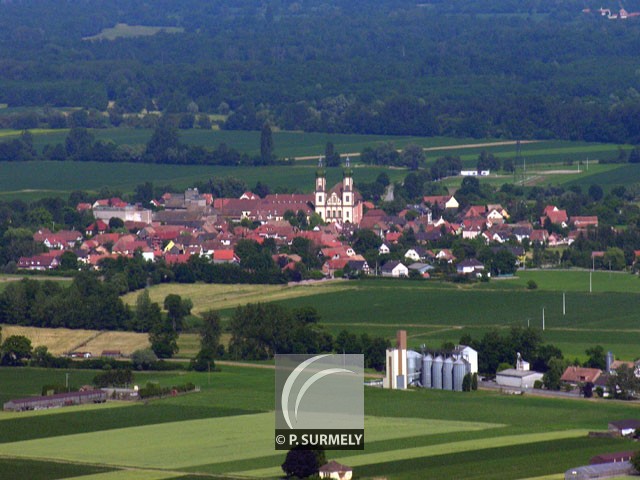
(226, 430)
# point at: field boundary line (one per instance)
(85, 342)
(439, 449)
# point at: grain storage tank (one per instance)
(447, 374)
(436, 373)
(610, 360)
(427, 362)
(414, 365)
(459, 371)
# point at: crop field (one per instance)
(226, 430)
(29, 180)
(426, 309)
(63, 340)
(220, 297)
(32, 180)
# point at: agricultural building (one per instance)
(624, 427)
(58, 400)
(396, 364)
(336, 471)
(612, 457)
(442, 370)
(600, 470)
(517, 379)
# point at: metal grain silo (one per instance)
(459, 371)
(447, 374)
(436, 373)
(414, 365)
(427, 362)
(610, 360)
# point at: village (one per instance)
(180, 225)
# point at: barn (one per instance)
(57, 400)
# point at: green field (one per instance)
(434, 312)
(32, 180)
(226, 430)
(29, 180)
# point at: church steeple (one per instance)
(347, 176)
(321, 189)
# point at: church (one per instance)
(342, 203)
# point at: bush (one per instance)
(599, 391)
(538, 384)
(114, 378)
(531, 285)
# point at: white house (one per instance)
(394, 269)
(469, 265)
(383, 249)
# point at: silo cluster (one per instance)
(441, 373)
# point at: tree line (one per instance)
(390, 68)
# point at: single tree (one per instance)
(15, 349)
(177, 309)
(266, 145)
(210, 331)
(303, 463)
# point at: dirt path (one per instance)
(435, 149)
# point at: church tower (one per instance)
(347, 193)
(321, 191)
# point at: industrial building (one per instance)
(519, 378)
(438, 370)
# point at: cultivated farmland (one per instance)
(227, 430)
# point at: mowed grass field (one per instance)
(227, 430)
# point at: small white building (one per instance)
(336, 471)
(517, 379)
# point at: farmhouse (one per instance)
(624, 427)
(58, 400)
(576, 375)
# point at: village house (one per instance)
(554, 215)
(470, 266)
(394, 269)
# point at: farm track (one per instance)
(435, 149)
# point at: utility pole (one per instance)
(564, 304)
(543, 319)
